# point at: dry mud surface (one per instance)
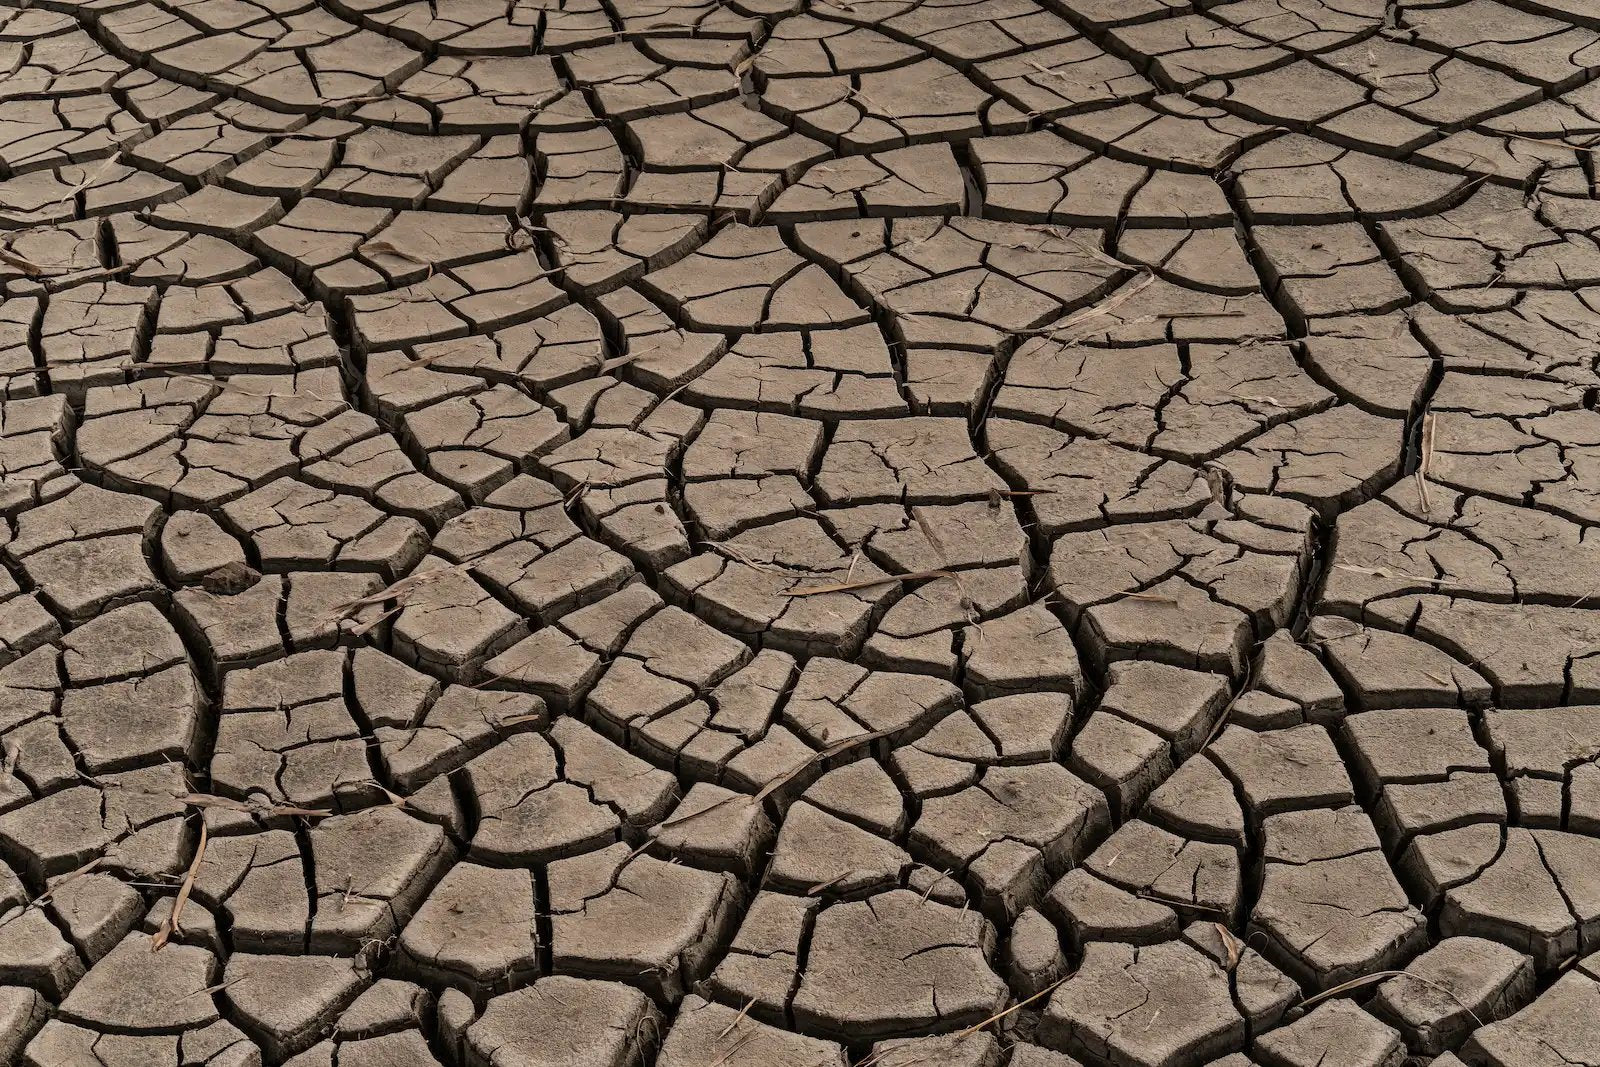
(767, 533)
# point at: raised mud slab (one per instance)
(799, 533)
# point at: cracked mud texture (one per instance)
(799, 533)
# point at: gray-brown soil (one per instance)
(799, 533)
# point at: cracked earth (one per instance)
(799, 533)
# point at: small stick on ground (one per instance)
(389, 248)
(996, 1017)
(25, 265)
(1381, 976)
(744, 1039)
(1153, 598)
(1425, 464)
(88, 868)
(172, 924)
(1105, 307)
(737, 1019)
(1174, 902)
(823, 887)
(722, 548)
(1381, 572)
(871, 583)
(203, 800)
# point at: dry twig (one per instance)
(172, 924)
(1380, 976)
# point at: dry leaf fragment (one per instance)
(1231, 944)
